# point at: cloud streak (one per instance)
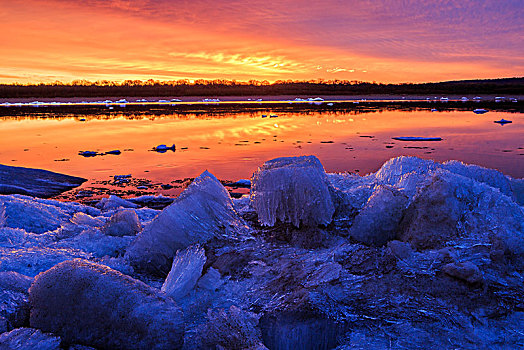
(384, 40)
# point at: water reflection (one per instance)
(233, 144)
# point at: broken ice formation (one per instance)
(92, 304)
(292, 190)
(185, 272)
(203, 211)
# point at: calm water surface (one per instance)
(233, 145)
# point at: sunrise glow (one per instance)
(385, 41)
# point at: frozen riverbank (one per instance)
(417, 254)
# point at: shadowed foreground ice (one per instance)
(419, 254)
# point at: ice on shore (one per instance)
(430, 249)
(91, 304)
(292, 190)
(203, 211)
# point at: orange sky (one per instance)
(385, 41)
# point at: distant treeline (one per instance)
(149, 88)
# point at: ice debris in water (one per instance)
(292, 190)
(92, 304)
(203, 211)
(185, 272)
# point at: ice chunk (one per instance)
(83, 219)
(3, 218)
(234, 329)
(30, 215)
(94, 305)
(32, 261)
(97, 243)
(210, 281)
(123, 223)
(294, 190)
(204, 210)
(114, 202)
(452, 205)
(14, 303)
(15, 281)
(491, 177)
(395, 170)
(29, 339)
(466, 271)
(185, 272)
(377, 223)
(324, 274)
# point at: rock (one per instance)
(29, 339)
(122, 223)
(292, 190)
(203, 211)
(35, 182)
(466, 271)
(91, 304)
(377, 223)
(185, 272)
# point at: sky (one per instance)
(368, 40)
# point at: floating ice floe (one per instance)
(88, 154)
(480, 111)
(416, 138)
(164, 148)
(503, 121)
